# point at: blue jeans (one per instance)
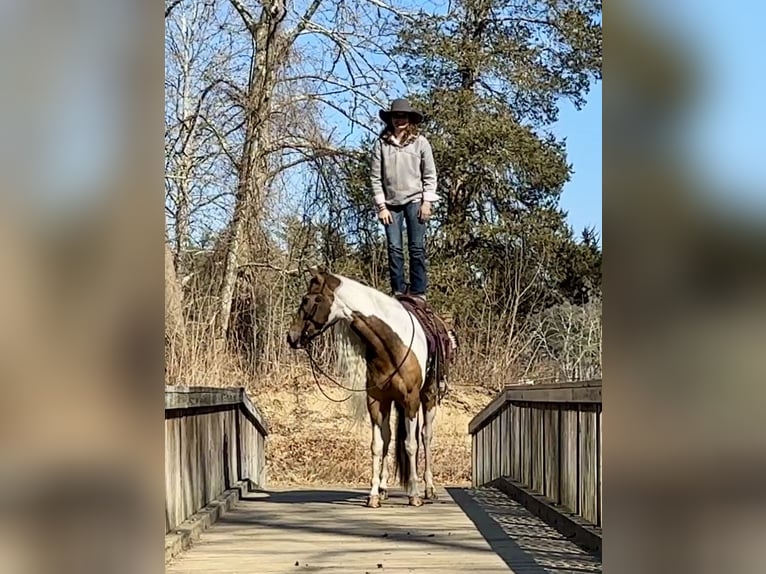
(416, 243)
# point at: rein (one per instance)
(314, 364)
(316, 380)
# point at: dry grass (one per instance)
(315, 441)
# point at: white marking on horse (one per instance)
(351, 296)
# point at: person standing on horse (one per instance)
(404, 189)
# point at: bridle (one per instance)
(322, 328)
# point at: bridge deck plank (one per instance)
(329, 530)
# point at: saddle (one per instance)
(442, 341)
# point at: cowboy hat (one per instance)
(401, 106)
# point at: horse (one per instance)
(383, 351)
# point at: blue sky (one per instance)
(582, 130)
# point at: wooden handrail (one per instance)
(576, 392)
(544, 440)
(215, 440)
(197, 399)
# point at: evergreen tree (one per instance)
(489, 75)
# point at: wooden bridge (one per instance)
(534, 505)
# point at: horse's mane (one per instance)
(352, 366)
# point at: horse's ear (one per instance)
(315, 270)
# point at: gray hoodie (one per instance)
(403, 173)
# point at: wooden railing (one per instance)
(545, 439)
(215, 439)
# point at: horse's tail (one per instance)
(352, 366)
(402, 460)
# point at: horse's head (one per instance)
(314, 314)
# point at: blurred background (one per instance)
(684, 207)
(84, 217)
(81, 290)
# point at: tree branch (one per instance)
(304, 20)
(169, 7)
(244, 13)
(269, 266)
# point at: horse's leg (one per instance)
(411, 448)
(429, 414)
(386, 434)
(376, 419)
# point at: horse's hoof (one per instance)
(373, 502)
(431, 493)
(383, 494)
(416, 501)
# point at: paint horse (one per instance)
(383, 349)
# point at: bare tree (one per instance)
(198, 53)
(260, 93)
(305, 61)
(569, 337)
